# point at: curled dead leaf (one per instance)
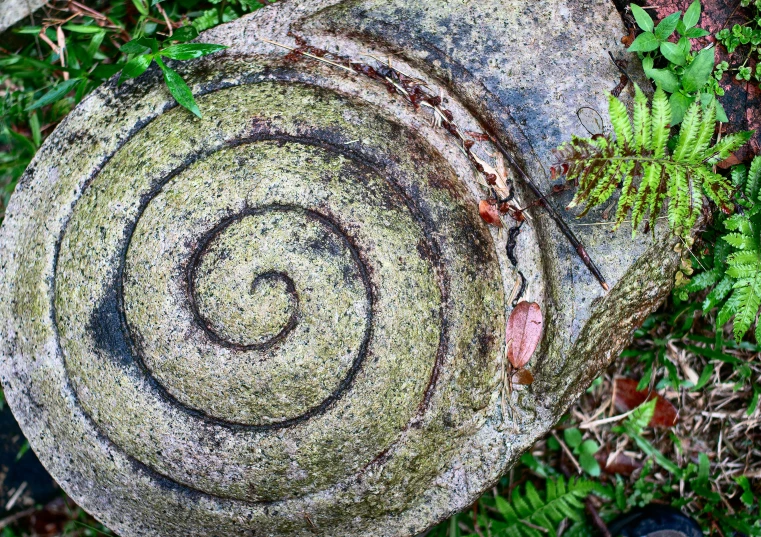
(628, 39)
(524, 331)
(523, 377)
(490, 212)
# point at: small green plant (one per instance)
(747, 34)
(685, 76)
(142, 52)
(732, 270)
(145, 50)
(639, 151)
(584, 449)
(530, 509)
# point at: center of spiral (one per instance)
(257, 319)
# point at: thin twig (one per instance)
(308, 55)
(567, 452)
(612, 419)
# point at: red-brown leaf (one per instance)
(489, 212)
(523, 377)
(618, 463)
(627, 398)
(524, 331)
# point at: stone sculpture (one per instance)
(287, 318)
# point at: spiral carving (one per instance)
(263, 307)
(287, 317)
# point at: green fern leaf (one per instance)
(753, 181)
(531, 509)
(641, 120)
(521, 506)
(743, 272)
(717, 294)
(619, 117)
(661, 122)
(638, 159)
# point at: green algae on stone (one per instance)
(290, 308)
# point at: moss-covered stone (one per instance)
(287, 318)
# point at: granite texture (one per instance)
(287, 318)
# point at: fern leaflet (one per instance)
(743, 265)
(638, 158)
(531, 509)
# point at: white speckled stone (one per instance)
(287, 318)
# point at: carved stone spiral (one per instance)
(250, 301)
(284, 318)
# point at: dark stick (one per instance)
(358, 68)
(623, 71)
(552, 212)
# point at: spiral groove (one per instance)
(291, 300)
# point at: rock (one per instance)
(12, 11)
(287, 318)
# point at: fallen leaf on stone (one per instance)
(628, 398)
(490, 212)
(522, 377)
(524, 331)
(628, 39)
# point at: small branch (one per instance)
(567, 452)
(612, 419)
(455, 132)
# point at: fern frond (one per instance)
(688, 133)
(750, 182)
(641, 119)
(637, 158)
(726, 146)
(619, 118)
(531, 508)
(743, 273)
(661, 122)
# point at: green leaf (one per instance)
(673, 53)
(694, 33)
(179, 89)
(692, 15)
(82, 28)
(54, 94)
(697, 73)
(106, 70)
(186, 33)
(189, 51)
(141, 45)
(680, 103)
(664, 79)
(572, 437)
(641, 416)
(645, 42)
(644, 20)
(22, 450)
(589, 464)
(748, 498)
(135, 67)
(721, 114)
(28, 30)
(590, 447)
(754, 400)
(705, 376)
(667, 26)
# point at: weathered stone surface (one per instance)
(12, 11)
(287, 318)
